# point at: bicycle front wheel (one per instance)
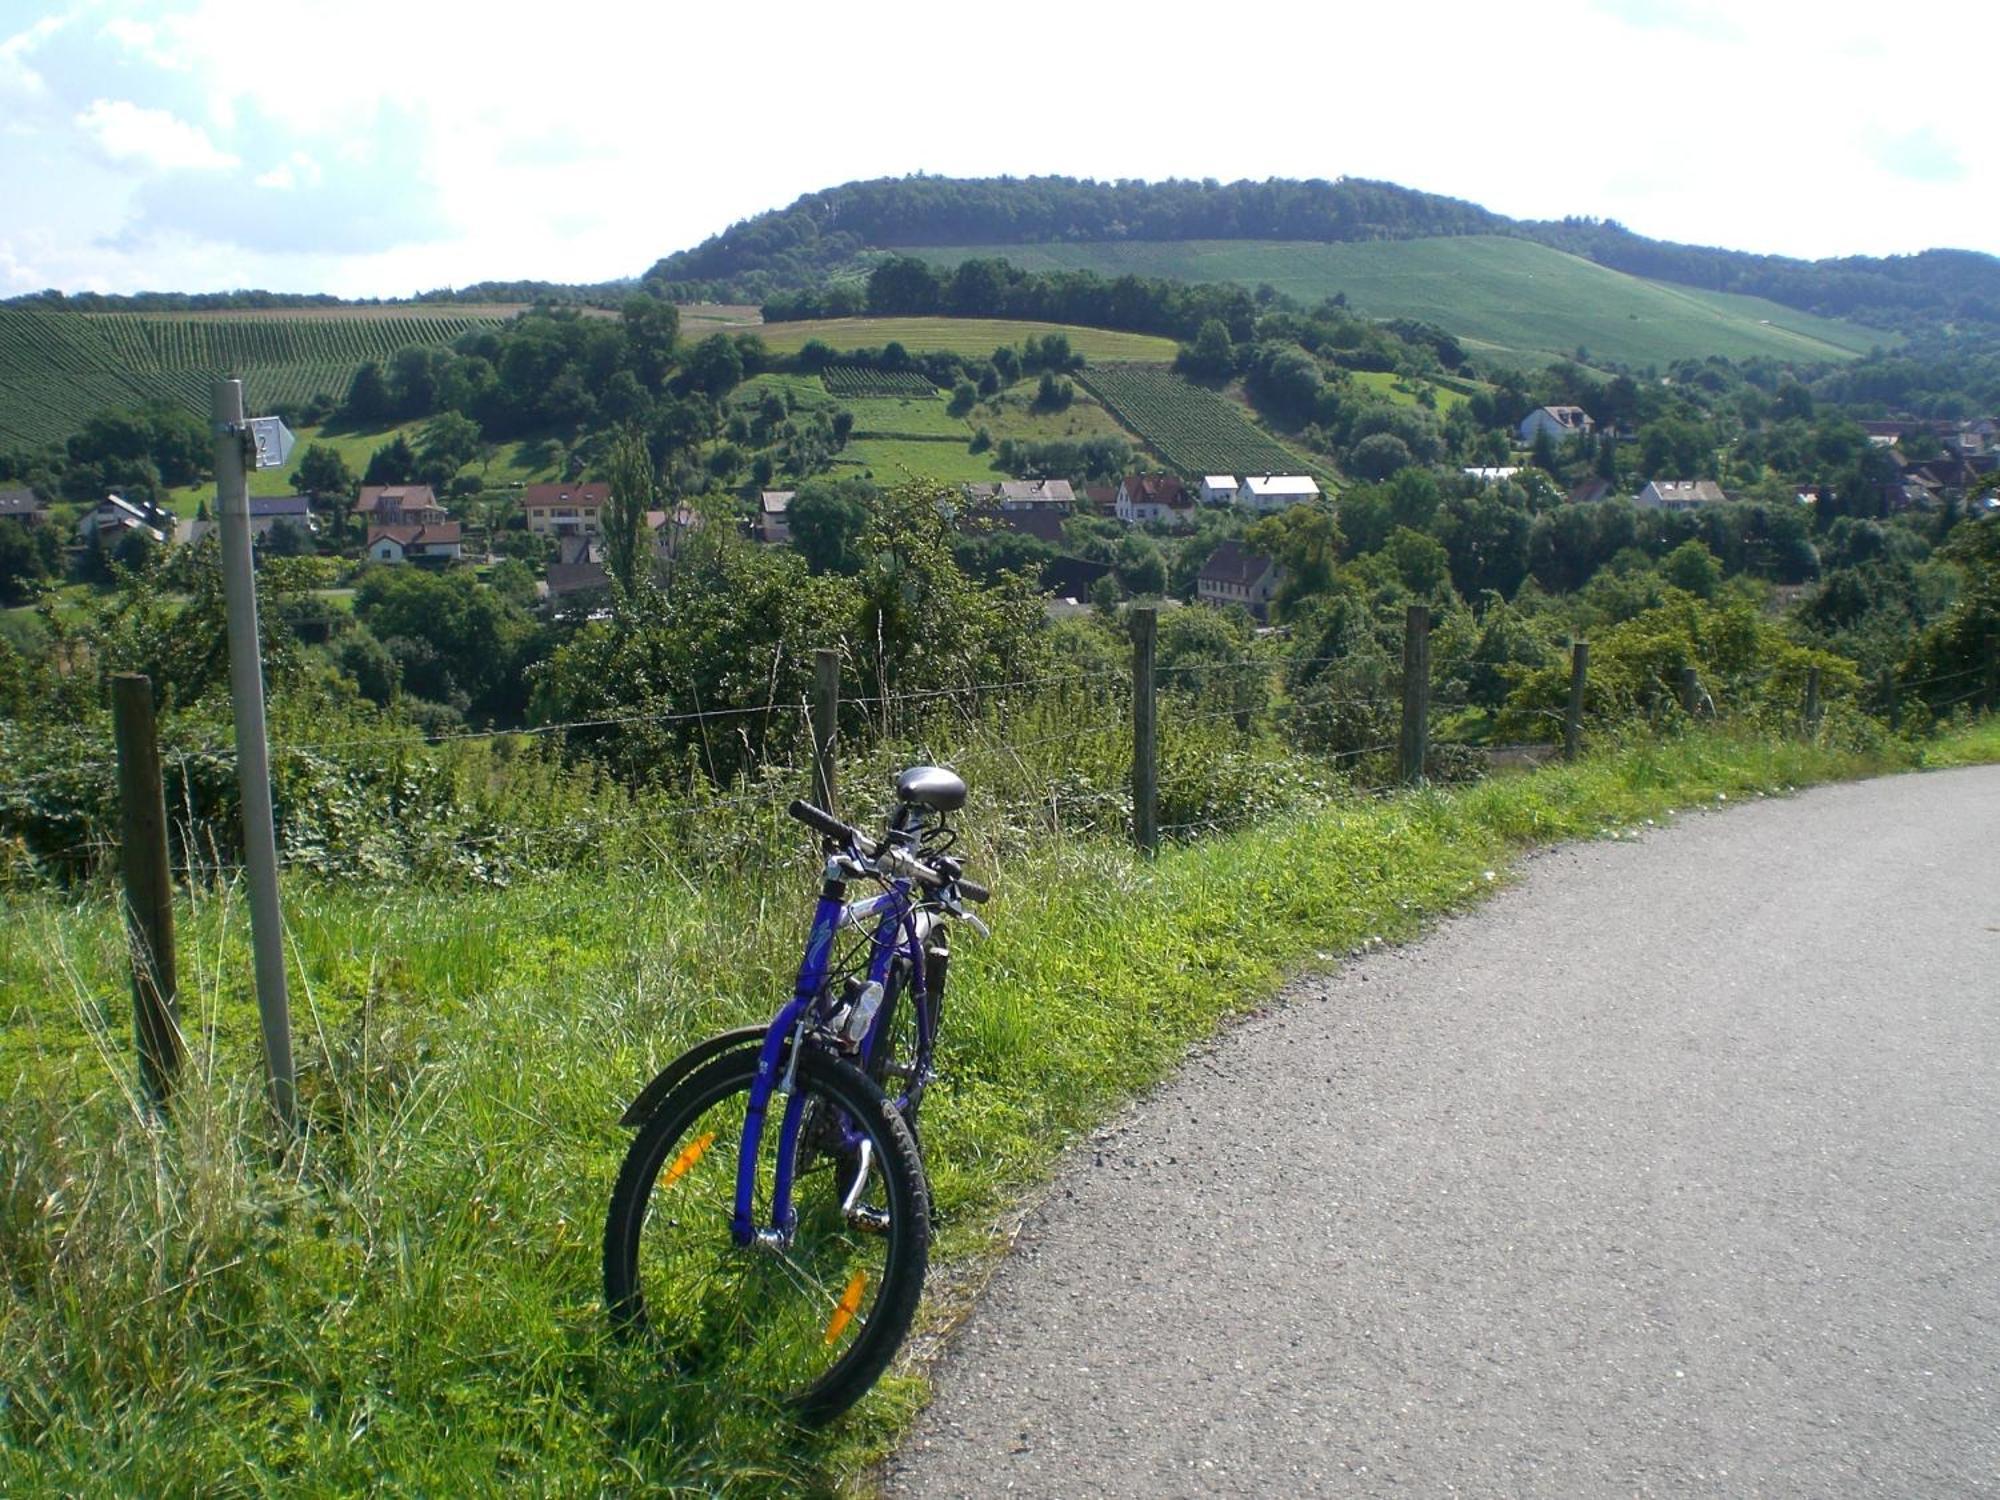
(810, 1320)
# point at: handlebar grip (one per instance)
(972, 890)
(821, 821)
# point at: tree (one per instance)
(716, 366)
(393, 463)
(324, 476)
(827, 519)
(634, 491)
(448, 443)
(963, 397)
(368, 400)
(1378, 456)
(1693, 569)
(651, 328)
(1141, 568)
(1211, 356)
(903, 284)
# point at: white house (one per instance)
(436, 543)
(1268, 492)
(1154, 497)
(1679, 494)
(1558, 422)
(1218, 489)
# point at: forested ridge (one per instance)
(822, 233)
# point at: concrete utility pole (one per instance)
(253, 758)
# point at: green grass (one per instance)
(891, 460)
(968, 336)
(1511, 296)
(889, 416)
(409, 1302)
(1404, 390)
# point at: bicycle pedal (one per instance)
(868, 1220)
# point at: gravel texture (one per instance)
(1672, 1170)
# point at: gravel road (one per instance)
(1673, 1170)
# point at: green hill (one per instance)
(1504, 297)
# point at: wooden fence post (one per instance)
(1812, 700)
(1579, 670)
(1416, 692)
(1145, 732)
(149, 887)
(825, 727)
(1690, 691)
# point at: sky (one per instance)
(385, 147)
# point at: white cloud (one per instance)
(127, 132)
(295, 171)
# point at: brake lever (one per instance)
(953, 907)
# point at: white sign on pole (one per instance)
(274, 441)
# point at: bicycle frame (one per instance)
(896, 930)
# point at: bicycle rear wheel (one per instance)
(811, 1322)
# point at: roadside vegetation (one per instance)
(408, 1297)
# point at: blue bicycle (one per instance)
(772, 1219)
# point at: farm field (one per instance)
(1516, 297)
(1193, 429)
(57, 369)
(979, 336)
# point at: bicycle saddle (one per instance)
(938, 789)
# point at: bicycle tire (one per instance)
(811, 1325)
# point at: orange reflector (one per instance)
(687, 1158)
(850, 1303)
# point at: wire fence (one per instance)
(1061, 746)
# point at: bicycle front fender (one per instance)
(641, 1108)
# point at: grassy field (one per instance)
(905, 438)
(409, 1303)
(970, 336)
(1406, 391)
(1513, 296)
(890, 460)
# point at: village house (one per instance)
(435, 543)
(1679, 494)
(398, 505)
(22, 506)
(1558, 422)
(1154, 497)
(1023, 494)
(1592, 490)
(1234, 576)
(1269, 492)
(1218, 489)
(114, 516)
(773, 526)
(565, 509)
(266, 511)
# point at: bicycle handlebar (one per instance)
(848, 836)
